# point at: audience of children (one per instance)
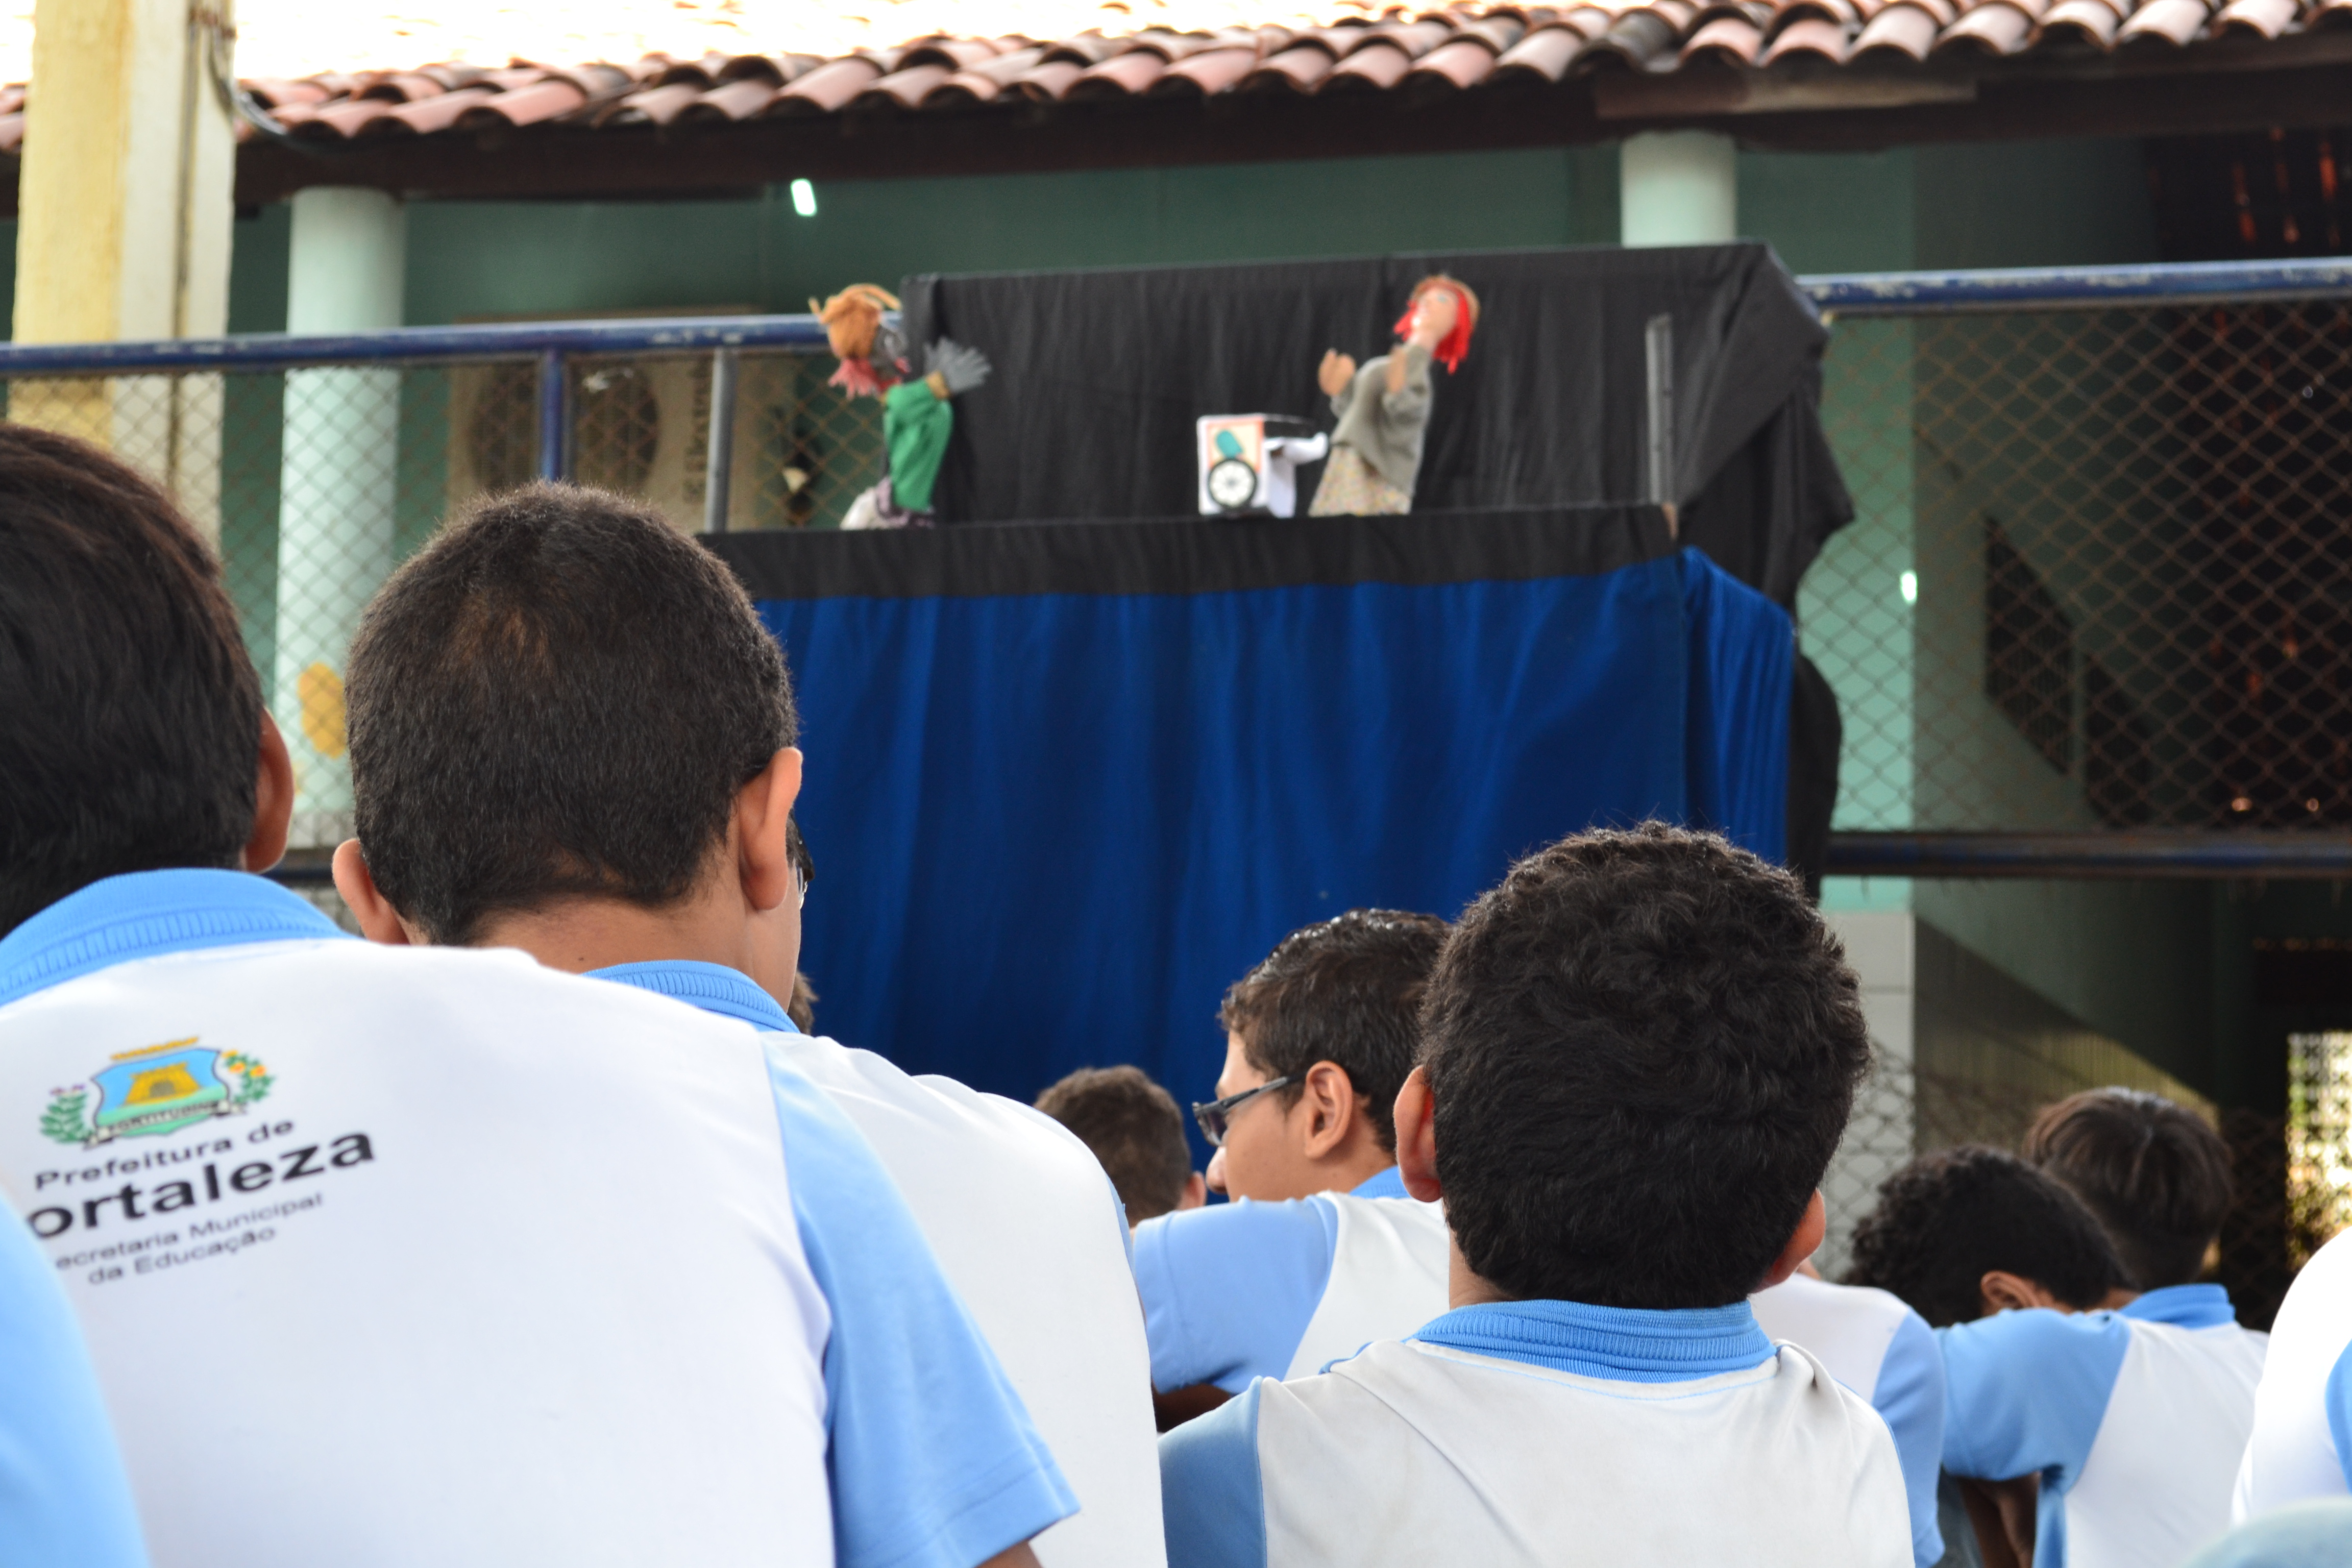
(1135, 1130)
(1514, 1271)
(491, 686)
(1322, 1251)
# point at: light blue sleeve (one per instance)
(1212, 1496)
(2339, 1412)
(1228, 1290)
(1910, 1399)
(932, 1459)
(2025, 1391)
(65, 1502)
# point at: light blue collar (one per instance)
(1624, 1344)
(2184, 1306)
(713, 987)
(1388, 1183)
(144, 915)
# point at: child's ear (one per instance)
(379, 922)
(1803, 1242)
(1416, 1138)
(2001, 1292)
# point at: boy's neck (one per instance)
(1465, 1287)
(581, 934)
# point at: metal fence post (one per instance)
(1658, 355)
(718, 469)
(554, 415)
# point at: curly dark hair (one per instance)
(1643, 1047)
(2154, 1173)
(1946, 1219)
(1348, 991)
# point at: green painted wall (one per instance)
(474, 258)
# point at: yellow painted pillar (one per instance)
(125, 217)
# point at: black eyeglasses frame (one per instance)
(1216, 1116)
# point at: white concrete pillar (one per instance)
(338, 485)
(1678, 187)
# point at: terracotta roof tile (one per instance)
(2248, 18)
(1295, 69)
(1734, 40)
(829, 88)
(1815, 36)
(1367, 49)
(2172, 22)
(1122, 76)
(1464, 63)
(1210, 72)
(1543, 55)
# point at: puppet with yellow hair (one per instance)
(916, 418)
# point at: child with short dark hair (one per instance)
(2132, 1409)
(1135, 1130)
(2155, 1175)
(1322, 1250)
(1638, 1054)
(1967, 1232)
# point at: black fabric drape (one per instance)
(1099, 376)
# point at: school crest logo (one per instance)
(146, 1093)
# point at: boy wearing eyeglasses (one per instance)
(571, 734)
(1322, 1249)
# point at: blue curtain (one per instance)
(1051, 827)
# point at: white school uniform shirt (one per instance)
(1031, 1234)
(2301, 1447)
(426, 1256)
(2135, 1420)
(1885, 1352)
(1544, 1435)
(65, 1502)
(1243, 1290)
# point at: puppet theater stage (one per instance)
(1078, 760)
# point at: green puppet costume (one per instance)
(917, 421)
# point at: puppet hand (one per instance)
(1334, 374)
(960, 367)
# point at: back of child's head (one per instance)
(1946, 1220)
(1643, 1047)
(559, 696)
(2154, 1173)
(129, 713)
(1134, 1128)
(1346, 990)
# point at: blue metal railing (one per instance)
(2076, 287)
(552, 343)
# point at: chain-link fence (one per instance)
(318, 479)
(2100, 576)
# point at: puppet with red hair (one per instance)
(1384, 407)
(916, 418)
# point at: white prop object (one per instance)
(1249, 463)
